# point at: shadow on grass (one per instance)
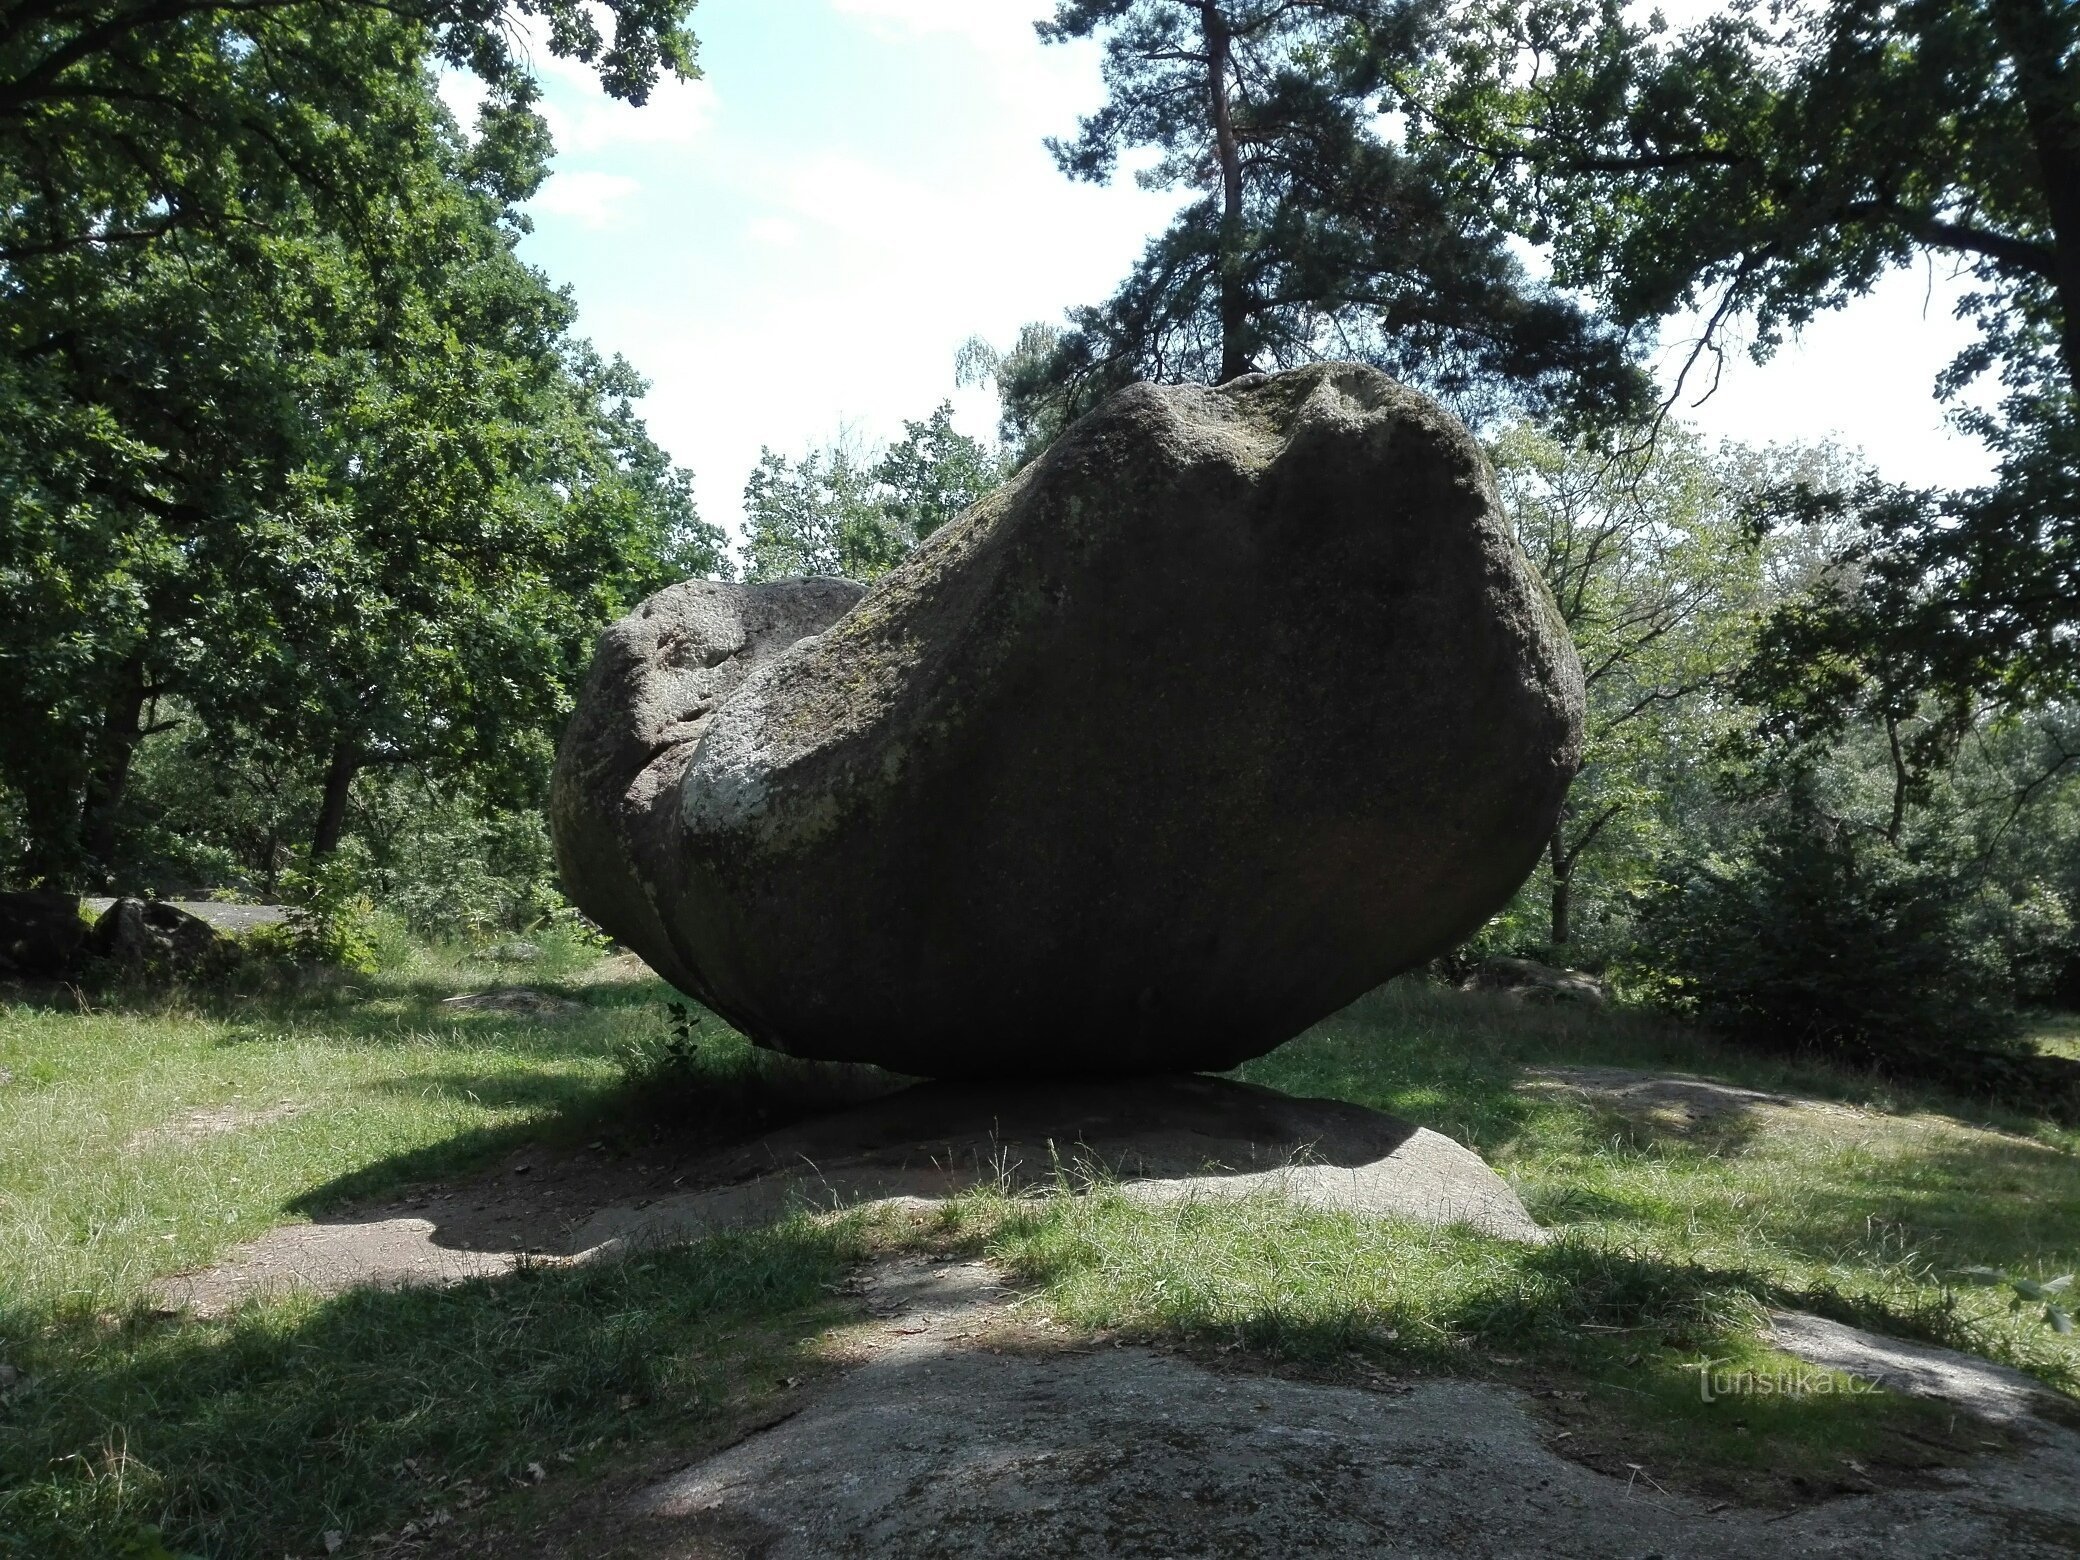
(257, 1435)
(723, 1093)
(1607, 1340)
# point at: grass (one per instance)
(125, 1431)
(1676, 1237)
(110, 1171)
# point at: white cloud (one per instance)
(995, 25)
(773, 232)
(586, 122)
(593, 200)
(463, 91)
(1863, 375)
(864, 201)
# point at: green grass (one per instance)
(259, 1433)
(256, 1434)
(109, 1173)
(1676, 1238)
(1866, 1210)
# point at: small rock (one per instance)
(152, 936)
(334, 1540)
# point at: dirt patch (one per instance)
(208, 1121)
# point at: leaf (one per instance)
(2061, 1320)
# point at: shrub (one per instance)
(1822, 938)
(331, 920)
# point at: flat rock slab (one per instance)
(224, 917)
(938, 1446)
(1160, 1140)
(1996, 1393)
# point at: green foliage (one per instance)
(448, 861)
(848, 511)
(287, 432)
(1659, 580)
(143, 118)
(670, 1056)
(331, 920)
(1829, 939)
(2049, 1292)
(1312, 232)
(1771, 162)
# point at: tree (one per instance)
(362, 503)
(933, 474)
(124, 120)
(1772, 162)
(816, 516)
(845, 509)
(1315, 235)
(1659, 580)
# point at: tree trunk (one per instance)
(1236, 357)
(1563, 888)
(332, 811)
(109, 776)
(2036, 43)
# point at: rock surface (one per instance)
(40, 932)
(151, 934)
(1235, 703)
(954, 1436)
(657, 680)
(1158, 1140)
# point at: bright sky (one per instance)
(800, 242)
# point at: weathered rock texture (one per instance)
(1235, 703)
(156, 937)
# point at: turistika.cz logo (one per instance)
(1718, 1379)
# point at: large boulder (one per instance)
(1235, 703)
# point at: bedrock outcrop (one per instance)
(1233, 704)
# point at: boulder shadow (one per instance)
(1159, 1141)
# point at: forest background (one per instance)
(314, 497)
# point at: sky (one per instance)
(796, 245)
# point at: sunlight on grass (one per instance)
(1863, 1199)
(148, 1138)
(142, 1134)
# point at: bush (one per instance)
(331, 920)
(448, 863)
(1820, 938)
